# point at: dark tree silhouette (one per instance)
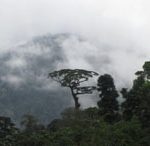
(138, 98)
(73, 78)
(108, 94)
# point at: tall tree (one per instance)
(108, 94)
(138, 98)
(73, 78)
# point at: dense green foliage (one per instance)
(109, 124)
(108, 94)
(138, 98)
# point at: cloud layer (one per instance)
(117, 31)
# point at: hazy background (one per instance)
(107, 36)
(118, 27)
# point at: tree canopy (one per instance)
(73, 78)
(138, 97)
(94, 126)
(107, 93)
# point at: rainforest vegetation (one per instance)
(110, 123)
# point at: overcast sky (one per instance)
(122, 26)
(111, 20)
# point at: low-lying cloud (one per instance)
(116, 32)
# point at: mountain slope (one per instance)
(24, 85)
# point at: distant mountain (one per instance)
(24, 86)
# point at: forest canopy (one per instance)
(110, 123)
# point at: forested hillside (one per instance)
(110, 123)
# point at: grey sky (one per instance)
(119, 29)
(104, 19)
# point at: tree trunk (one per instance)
(77, 104)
